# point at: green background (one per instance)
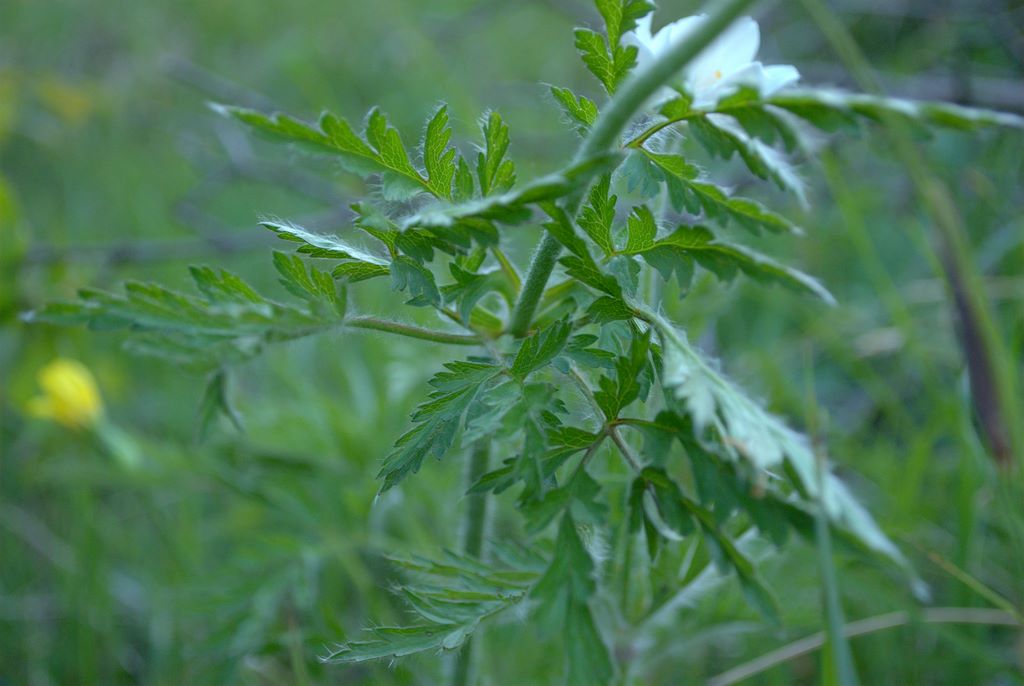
(238, 559)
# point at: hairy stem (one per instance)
(411, 331)
(604, 136)
(474, 531)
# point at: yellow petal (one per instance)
(70, 395)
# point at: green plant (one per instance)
(611, 427)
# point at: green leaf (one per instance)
(219, 285)
(579, 265)
(464, 186)
(620, 16)
(722, 137)
(676, 252)
(593, 48)
(512, 207)
(496, 174)
(678, 514)
(354, 272)
(388, 145)
(409, 275)
(451, 596)
(469, 288)
(381, 152)
(689, 193)
(608, 309)
(319, 245)
(216, 402)
(579, 108)
(231, 322)
(313, 285)
(828, 109)
(632, 379)
(438, 158)
(604, 56)
(562, 608)
(437, 420)
(640, 231)
(747, 433)
(598, 214)
(539, 349)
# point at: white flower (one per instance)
(726, 63)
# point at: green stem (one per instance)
(837, 660)
(541, 265)
(411, 331)
(604, 136)
(474, 521)
(474, 532)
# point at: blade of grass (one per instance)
(837, 660)
(863, 627)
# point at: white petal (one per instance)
(673, 33)
(642, 40)
(731, 51)
(643, 29)
(777, 77)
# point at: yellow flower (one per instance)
(70, 396)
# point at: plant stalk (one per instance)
(411, 331)
(474, 532)
(604, 136)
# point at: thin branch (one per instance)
(937, 615)
(624, 449)
(411, 331)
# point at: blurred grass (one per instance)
(235, 560)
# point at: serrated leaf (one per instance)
(689, 193)
(230, 323)
(579, 265)
(381, 152)
(438, 419)
(621, 16)
(438, 158)
(598, 215)
(512, 207)
(320, 245)
(562, 607)
(539, 349)
(632, 379)
(605, 56)
(219, 285)
(309, 283)
(464, 186)
(748, 433)
(469, 288)
(640, 231)
(215, 403)
(409, 275)
(354, 272)
(453, 595)
(608, 309)
(388, 145)
(578, 108)
(496, 174)
(675, 253)
(829, 109)
(723, 137)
